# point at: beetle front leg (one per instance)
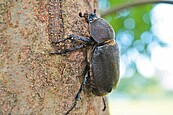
(87, 41)
(76, 38)
(81, 38)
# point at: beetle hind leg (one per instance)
(77, 98)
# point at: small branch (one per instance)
(137, 3)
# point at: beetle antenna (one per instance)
(80, 14)
(94, 11)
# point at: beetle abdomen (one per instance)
(105, 68)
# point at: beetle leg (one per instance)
(82, 38)
(87, 41)
(77, 98)
(104, 103)
(69, 50)
(103, 98)
(75, 37)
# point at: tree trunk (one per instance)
(32, 81)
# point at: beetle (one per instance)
(102, 70)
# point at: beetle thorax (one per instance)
(101, 31)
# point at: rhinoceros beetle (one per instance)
(102, 70)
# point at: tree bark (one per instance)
(32, 81)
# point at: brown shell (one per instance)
(100, 30)
(105, 68)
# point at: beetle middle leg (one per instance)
(69, 50)
(77, 98)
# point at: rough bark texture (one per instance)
(32, 81)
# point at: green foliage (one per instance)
(139, 85)
(136, 20)
(115, 3)
(130, 23)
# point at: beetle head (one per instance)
(89, 17)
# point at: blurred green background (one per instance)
(145, 36)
